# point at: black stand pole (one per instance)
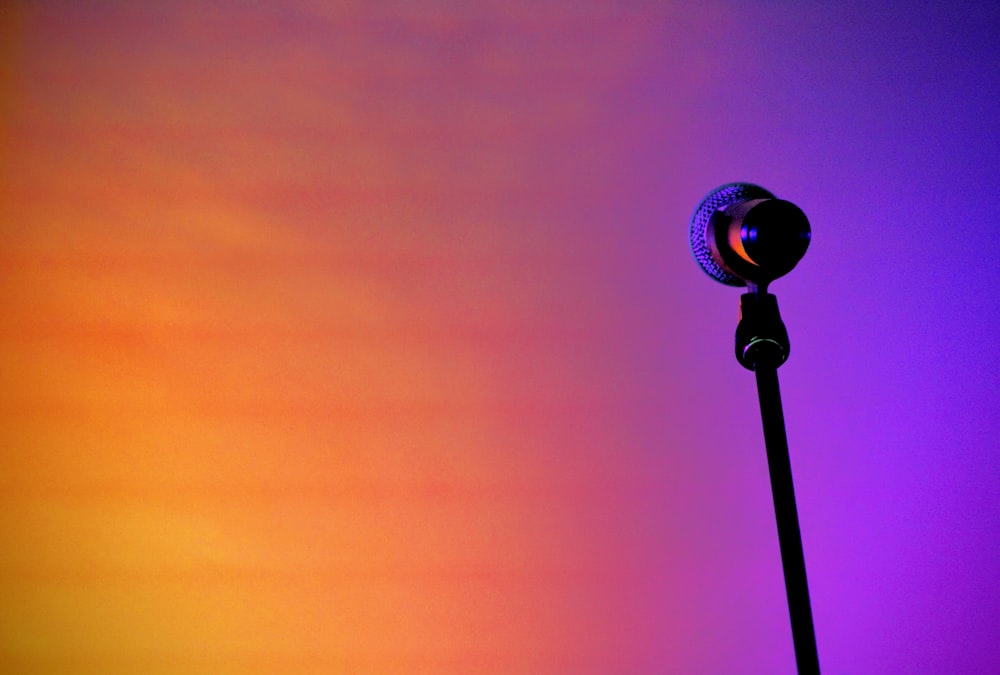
(762, 346)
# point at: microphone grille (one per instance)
(719, 198)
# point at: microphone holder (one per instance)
(762, 346)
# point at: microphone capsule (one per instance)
(702, 244)
(741, 233)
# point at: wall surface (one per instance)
(364, 337)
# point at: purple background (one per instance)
(881, 124)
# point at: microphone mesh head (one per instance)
(719, 198)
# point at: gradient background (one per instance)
(364, 337)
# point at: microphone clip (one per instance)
(761, 338)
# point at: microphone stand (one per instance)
(762, 346)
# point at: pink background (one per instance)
(364, 337)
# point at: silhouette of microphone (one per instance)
(742, 235)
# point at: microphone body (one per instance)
(741, 234)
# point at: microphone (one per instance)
(742, 235)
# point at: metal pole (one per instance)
(789, 536)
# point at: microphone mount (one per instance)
(761, 337)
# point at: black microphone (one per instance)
(741, 235)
